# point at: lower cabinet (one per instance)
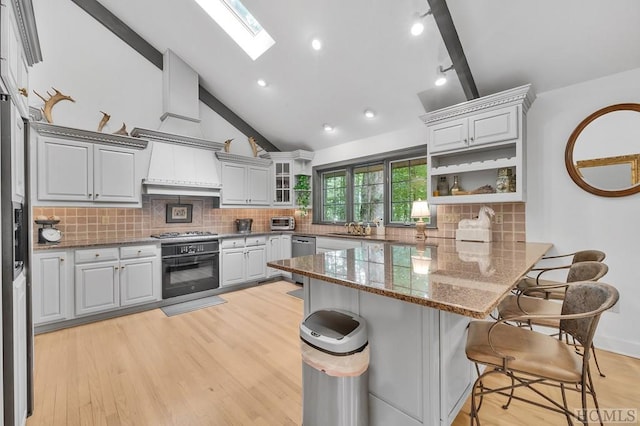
(278, 247)
(243, 259)
(82, 282)
(52, 284)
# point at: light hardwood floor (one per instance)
(232, 364)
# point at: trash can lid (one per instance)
(334, 331)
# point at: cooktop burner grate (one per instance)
(165, 235)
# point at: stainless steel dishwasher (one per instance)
(302, 246)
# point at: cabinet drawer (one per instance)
(133, 252)
(232, 243)
(96, 255)
(256, 241)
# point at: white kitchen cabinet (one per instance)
(80, 171)
(286, 165)
(97, 287)
(242, 260)
(140, 280)
(17, 156)
(474, 140)
(245, 180)
(13, 62)
(51, 286)
(75, 165)
(112, 278)
(20, 349)
(479, 129)
(278, 247)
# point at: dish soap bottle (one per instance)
(455, 188)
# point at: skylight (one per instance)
(236, 20)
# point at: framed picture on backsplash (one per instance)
(179, 213)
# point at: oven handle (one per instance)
(190, 256)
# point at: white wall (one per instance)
(84, 60)
(560, 212)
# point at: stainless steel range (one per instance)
(189, 266)
(189, 234)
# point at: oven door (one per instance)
(189, 274)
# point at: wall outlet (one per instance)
(498, 219)
(105, 220)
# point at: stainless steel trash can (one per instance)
(335, 369)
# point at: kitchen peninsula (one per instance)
(417, 301)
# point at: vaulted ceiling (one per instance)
(370, 60)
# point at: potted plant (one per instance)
(303, 192)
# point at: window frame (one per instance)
(348, 166)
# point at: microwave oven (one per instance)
(283, 223)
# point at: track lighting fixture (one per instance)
(442, 77)
(418, 23)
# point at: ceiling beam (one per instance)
(449, 35)
(153, 55)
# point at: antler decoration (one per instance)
(254, 146)
(122, 130)
(227, 145)
(49, 103)
(103, 122)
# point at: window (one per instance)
(236, 20)
(408, 183)
(334, 196)
(381, 186)
(368, 193)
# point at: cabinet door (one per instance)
(17, 155)
(115, 174)
(232, 261)
(282, 183)
(20, 349)
(137, 281)
(234, 184)
(274, 252)
(493, 126)
(447, 136)
(258, 187)
(50, 287)
(65, 170)
(97, 287)
(285, 252)
(256, 263)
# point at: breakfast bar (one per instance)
(417, 300)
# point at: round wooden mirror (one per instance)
(603, 152)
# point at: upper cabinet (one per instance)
(19, 48)
(476, 141)
(286, 166)
(78, 165)
(245, 180)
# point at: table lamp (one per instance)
(419, 210)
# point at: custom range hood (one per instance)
(181, 162)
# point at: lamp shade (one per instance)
(420, 209)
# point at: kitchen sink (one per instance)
(347, 234)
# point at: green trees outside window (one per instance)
(408, 183)
(334, 196)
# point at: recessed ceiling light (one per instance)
(262, 82)
(417, 28)
(327, 127)
(369, 113)
(316, 44)
(441, 81)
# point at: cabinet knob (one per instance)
(23, 92)
(62, 259)
(122, 267)
(90, 195)
(97, 254)
(471, 139)
(139, 251)
(116, 268)
(97, 195)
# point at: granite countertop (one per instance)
(64, 244)
(463, 277)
